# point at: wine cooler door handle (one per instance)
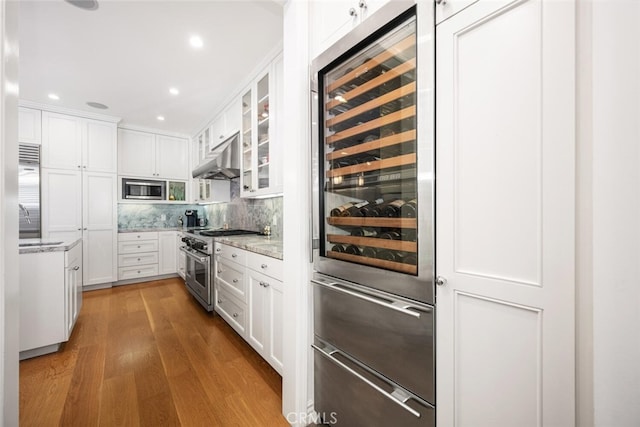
(396, 305)
(314, 192)
(398, 396)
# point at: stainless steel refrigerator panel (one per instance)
(349, 394)
(391, 335)
(29, 191)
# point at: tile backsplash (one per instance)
(249, 214)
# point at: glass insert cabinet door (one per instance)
(368, 147)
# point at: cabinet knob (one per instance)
(79, 229)
(441, 281)
(352, 12)
(84, 167)
(234, 255)
(78, 166)
(221, 136)
(219, 271)
(76, 268)
(219, 301)
(362, 4)
(138, 246)
(138, 259)
(235, 280)
(441, 2)
(235, 314)
(266, 285)
(263, 266)
(85, 228)
(218, 250)
(138, 271)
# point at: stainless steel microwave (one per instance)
(143, 189)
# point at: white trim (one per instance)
(68, 111)
(154, 131)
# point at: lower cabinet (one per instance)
(50, 299)
(167, 252)
(248, 290)
(146, 254)
(181, 257)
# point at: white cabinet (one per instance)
(79, 187)
(181, 257)
(225, 125)
(264, 331)
(249, 297)
(332, 19)
(29, 125)
(70, 142)
(167, 257)
(449, 8)
(83, 204)
(261, 145)
(505, 196)
(143, 154)
(138, 255)
(50, 299)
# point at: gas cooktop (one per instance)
(218, 232)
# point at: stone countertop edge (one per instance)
(142, 230)
(64, 246)
(254, 244)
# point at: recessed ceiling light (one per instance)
(97, 105)
(196, 42)
(160, 118)
(84, 4)
(173, 91)
(54, 96)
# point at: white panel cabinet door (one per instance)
(449, 8)
(258, 328)
(100, 147)
(29, 125)
(167, 252)
(274, 320)
(61, 141)
(61, 203)
(100, 228)
(136, 153)
(172, 157)
(505, 213)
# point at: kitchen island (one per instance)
(50, 293)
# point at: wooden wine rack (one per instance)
(403, 160)
(388, 141)
(375, 262)
(374, 242)
(359, 221)
(405, 113)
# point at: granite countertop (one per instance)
(142, 230)
(32, 246)
(268, 246)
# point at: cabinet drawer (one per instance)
(137, 259)
(232, 277)
(266, 265)
(231, 311)
(125, 273)
(137, 247)
(146, 235)
(232, 254)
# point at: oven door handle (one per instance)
(201, 259)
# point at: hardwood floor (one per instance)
(148, 354)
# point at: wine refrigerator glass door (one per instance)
(370, 198)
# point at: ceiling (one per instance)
(127, 54)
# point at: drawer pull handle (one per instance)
(234, 255)
(235, 314)
(235, 280)
(263, 266)
(76, 268)
(218, 250)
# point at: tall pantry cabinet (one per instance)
(79, 189)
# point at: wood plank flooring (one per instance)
(149, 355)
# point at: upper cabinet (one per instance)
(143, 154)
(223, 126)
(333, 19)
(29, 125)
(261, 173)
(70, 142)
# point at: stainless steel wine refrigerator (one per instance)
(373, 166)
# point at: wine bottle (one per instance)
(392, 209)
(392, 235)
(364, 232)
(410, 259)
(337, 248)
(408, 210)
(408, 234)
(353, 250)
(338, 211)
(386, 255)
(369, 209)
(369, 252)
(355, 209)
(340, 163)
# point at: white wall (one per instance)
(609, 219)
(9, 291)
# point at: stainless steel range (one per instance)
(200, 261)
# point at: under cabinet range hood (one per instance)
(222, 162)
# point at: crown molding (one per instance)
(68, 111)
